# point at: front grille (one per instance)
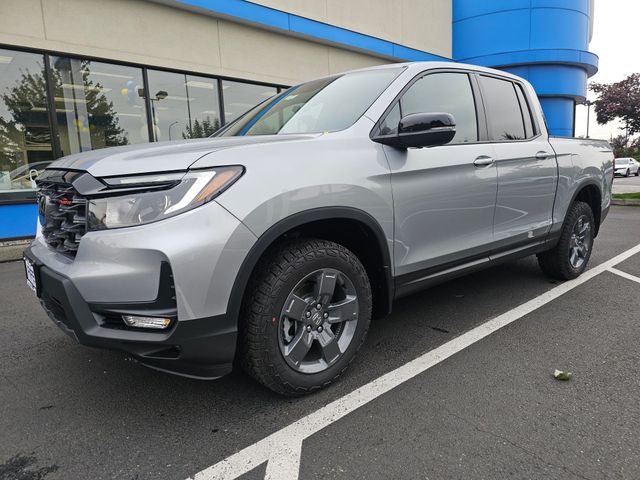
(63, 216)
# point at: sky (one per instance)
(617, 43)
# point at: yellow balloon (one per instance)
(124, 91)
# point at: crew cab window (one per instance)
(440, 92)
(503, 109)
(529, 129)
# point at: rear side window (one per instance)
(529, 129)
(441, 93)
(503, 109)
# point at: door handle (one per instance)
(543, 155)
(483, 161)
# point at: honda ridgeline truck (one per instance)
(274, 242)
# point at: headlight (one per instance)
(179, 193)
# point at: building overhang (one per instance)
(267, 18)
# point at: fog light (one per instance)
(146, 322)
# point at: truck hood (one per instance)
(161, 156)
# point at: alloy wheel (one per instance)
(580, 243)
(318, 321)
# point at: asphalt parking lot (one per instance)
(626, 185)
(491, 410)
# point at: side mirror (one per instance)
(421, 130)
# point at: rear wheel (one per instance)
(638, 172)
(569, 258)
(307, 316)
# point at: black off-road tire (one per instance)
(555, 262)
(275, 277)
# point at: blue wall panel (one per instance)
(558, 112)
(18, 220)
(487, 34)
(544, 41)
(558, 28)
(473, 8)
(552, 79)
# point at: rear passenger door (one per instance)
(526, 164)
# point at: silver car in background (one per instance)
(626, 167)
(273, 243)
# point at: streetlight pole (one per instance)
(588, 111)
(170, 128)
(161, 95)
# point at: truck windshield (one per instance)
(325, 105)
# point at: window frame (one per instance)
(481, 124)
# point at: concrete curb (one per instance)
(620, 201)
(12, 250)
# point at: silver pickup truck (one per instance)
(274, 242)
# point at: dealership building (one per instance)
(78, 75)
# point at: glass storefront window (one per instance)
(183, 106)
(25, 136)
(203, 105)
(241, 97)
(169, 104)
(98, 104)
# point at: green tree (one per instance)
(103, 123)
(623, 146)
(26, 102)
(619, 100)
(201, 129)
(27, 118)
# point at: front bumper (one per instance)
(122, 271)
(201, 348)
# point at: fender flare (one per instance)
(292, 222)
(598, 214)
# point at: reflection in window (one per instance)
(183, 106)
(390, 124)
(169, 105)
(98, 104)
(204, 118)
(526, 113)
(445, 93)
(326, 105)
(241, 97)
(25, 137)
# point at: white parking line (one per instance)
(633, 278)
(282, 449)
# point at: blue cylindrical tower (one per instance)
(544, 41)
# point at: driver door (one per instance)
(444, 196)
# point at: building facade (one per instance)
(77, 75)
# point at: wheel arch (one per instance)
(377, 260)
(590, 193)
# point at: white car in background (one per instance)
(627, 166)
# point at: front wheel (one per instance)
(569, 258)
(307, 316)
(627, 173)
